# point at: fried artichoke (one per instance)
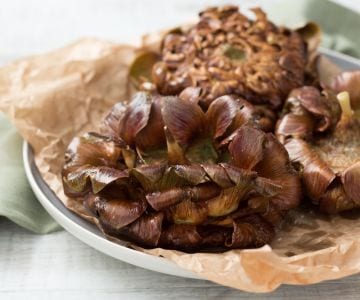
(321, 133)
(165, 173)
(227, 53)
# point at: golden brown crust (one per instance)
(227, 53)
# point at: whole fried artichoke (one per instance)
(321, 133)
(165, 173)
(227, 53)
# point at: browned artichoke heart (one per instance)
(321, 132)
(164, 172)
(227, 53)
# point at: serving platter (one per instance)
(91, 235)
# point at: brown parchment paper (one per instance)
(53, 97)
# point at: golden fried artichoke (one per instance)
(322, 136)
(165, 173)
(227, 53)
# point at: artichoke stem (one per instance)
(344, 101)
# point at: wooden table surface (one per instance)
(58, 266)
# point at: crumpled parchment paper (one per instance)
(51, 98)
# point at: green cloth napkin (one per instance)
(17, 202)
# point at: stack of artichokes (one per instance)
(191, 162)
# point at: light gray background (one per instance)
(58, 266)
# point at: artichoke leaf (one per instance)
(218, 175)
(181, 236)
(183, 119)
(351, 181)
(227, 202)
(220, 115)
(193, 173)
(251, 231)
(115, 214)
(188, 212)
(141, 68)
(149, 175)
(161, 200)
(316, 173)
(77, 182)
(246, 148)
(152, 136)
(135, 117)
(350, 82)
(146, 230)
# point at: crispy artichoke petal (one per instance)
(325, 108)
(110, 125)
(290, 195)
(115, 214)
(171, 179)
(251, 231)
(141, 68)
(239, 176)
(204, 191)
(276, 166)
(77, 182)
(299, 126)
(335, 200)
(191, 94)
(351, 181)
(214, 236)
(348, 81)
(220, 115)
(317, 175)
(162, 200)
(152, 136)
(146, 230)
(311, 34)
(149, 175)
(275, 160)
(246, 113)
(267, 187)
(246, 148)
(183, 119)
(227, 202)
(181, 236)
(135, 117)
(92, 149)
(194, 173)
(218, 175)
(189, 212)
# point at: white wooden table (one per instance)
(58, 266)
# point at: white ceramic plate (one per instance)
(91, 235)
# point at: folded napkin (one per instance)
(18, 203)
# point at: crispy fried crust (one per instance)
(227, 53)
